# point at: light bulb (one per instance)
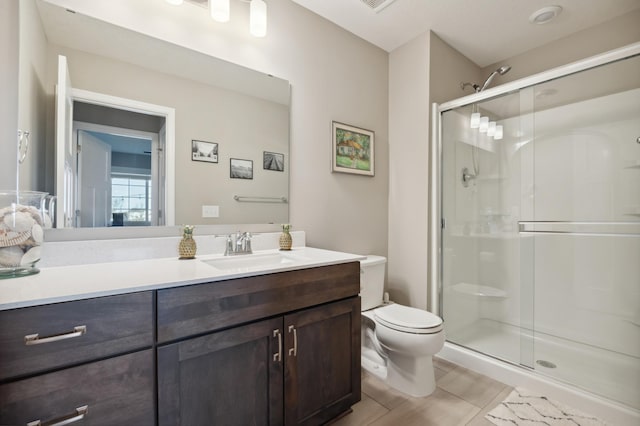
(258, 18)
(474, 123)
(484, 124)
(219, 10)
(174, 2)
(491, 130)
(498, 134)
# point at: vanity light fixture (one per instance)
(258, 18)
(491, 130)
(220, 11)
(474, 122)
(484, 124)
(499, 132)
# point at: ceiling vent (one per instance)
(377, 5)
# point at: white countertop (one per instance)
(66, 283)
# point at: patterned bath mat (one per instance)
(524, 408)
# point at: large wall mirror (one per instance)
(144, 132)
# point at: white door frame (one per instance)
(154, 138)
(169, 115)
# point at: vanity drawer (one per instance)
(73, 332)
(116, 391)
(186, 311)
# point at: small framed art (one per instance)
(204, 151)
(241, 169)
(353, 149)
(273, 161)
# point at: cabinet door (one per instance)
(322, 362)
(231, 377)
(113, 392)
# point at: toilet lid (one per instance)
(407, 319)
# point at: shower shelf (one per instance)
(479, 290)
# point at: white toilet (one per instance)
(398, 342)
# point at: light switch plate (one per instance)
(210, 211)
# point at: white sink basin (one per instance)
(251, 262)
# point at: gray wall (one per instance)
(601, 38)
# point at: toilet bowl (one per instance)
(398, 342)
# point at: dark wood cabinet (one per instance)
(299, 369)
(322, 362)
(69, 333)
(116, 391)
(231, 377)
(89, 362)
(274, 349)
(301, 366)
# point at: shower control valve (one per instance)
(467, 177)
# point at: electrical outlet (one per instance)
(210, 211)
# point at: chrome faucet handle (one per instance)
(247, 245)
(228, 246)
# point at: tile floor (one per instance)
(462, 397)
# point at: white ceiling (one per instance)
(485, 31)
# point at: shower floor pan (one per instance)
(612, 375)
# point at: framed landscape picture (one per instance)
(353, 149)
(204, 151)
(273, 161)
(241, 169)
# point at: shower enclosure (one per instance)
(539, 223)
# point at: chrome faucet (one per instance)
(240, 243)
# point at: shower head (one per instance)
(502, 71)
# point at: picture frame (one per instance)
(204, 151)
(353, 150)
(273, 161)
(241, 169)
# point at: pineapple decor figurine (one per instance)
(285, 237)
(187, 247)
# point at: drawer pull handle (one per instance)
(278, 356)
(35, 339)
(294, 350)
(80, 413)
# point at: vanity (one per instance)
(199, 342)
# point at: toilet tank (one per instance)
(372, 281)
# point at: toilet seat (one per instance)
(407, 319)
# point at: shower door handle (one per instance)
(580, 228)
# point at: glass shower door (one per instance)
(584, 224)
(487, 277)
